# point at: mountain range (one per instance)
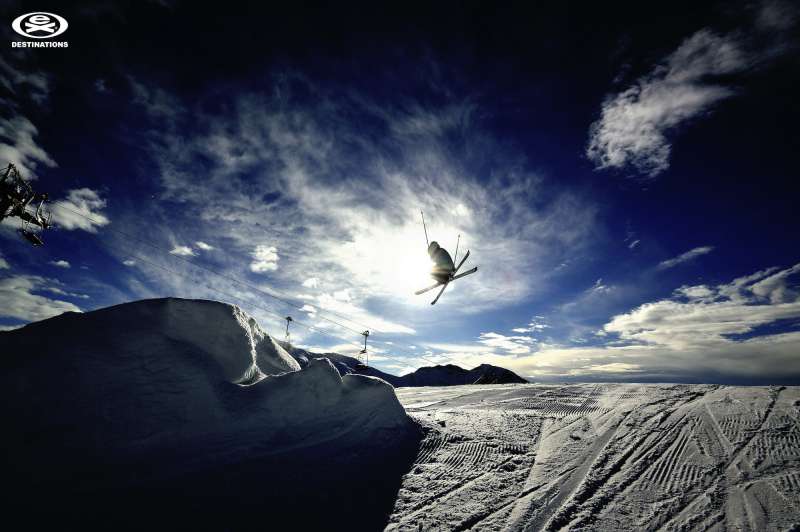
(440, 375)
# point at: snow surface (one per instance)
(603, 457)
(177, 402)
(178, 414)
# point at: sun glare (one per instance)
(411, 272)
(393, 259)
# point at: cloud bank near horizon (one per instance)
(735, 331)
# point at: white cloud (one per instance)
(770, 357)
(82, 209)
(599, 288)
(310, 165)
(20, 302)
(17, 133)
(516, 345)
(633, 244)
(475, 348)
(183, 251)
(685, 257)
(54, 289)
(536, 325)
(343, 295)
(704, 332)
(4, 264)
(203, 246)
(343, 306)
(24, 81)
(711, 314)
(60, 263)
(17, 146)
(129, 262)
(695, 292)
(303, 156)
(775, 287)
(265, 259)
(633, 124)
(613, 367)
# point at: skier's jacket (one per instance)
(443, 262)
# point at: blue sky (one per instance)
(627, 189)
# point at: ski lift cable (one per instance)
(259, 307)
(411, 353)
(280, 298)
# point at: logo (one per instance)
(40, 25)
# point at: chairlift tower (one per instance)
(288, 321)
(364, 352)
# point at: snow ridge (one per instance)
(175, 395)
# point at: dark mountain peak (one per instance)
(451, 368)
(439, 375)
(488, 374)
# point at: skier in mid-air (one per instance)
(444, 269)
(443, 263)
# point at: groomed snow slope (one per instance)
(603, 457)
(171, 392)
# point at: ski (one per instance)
(444, 270)
(440, 293)
(460, 275)
(461, 263)
(418, 292)
(453, 278)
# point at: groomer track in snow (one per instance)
(603, 457)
